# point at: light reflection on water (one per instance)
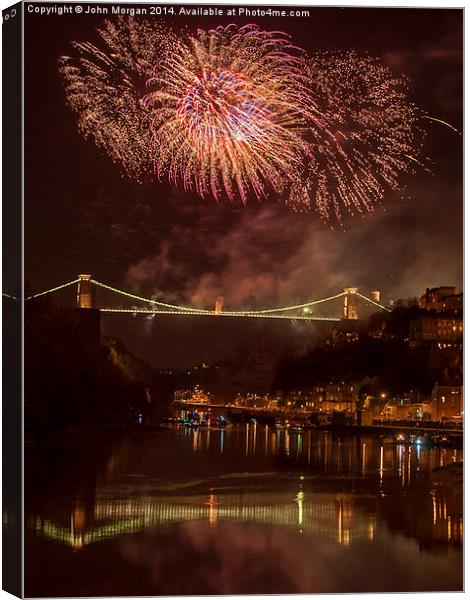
(253, 510)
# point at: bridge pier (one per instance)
(219, 305)
(90, 318)
(84, 292)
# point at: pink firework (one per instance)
(227, 111)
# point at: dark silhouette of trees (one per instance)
(379, 351)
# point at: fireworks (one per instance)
(105, 87)
(227, 110)
(239, 112)
(368, 140)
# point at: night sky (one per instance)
(83, 216)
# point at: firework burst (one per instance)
(240, 112)
(227, 109)
(105, 87)
(369, 136)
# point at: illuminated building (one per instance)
(182, 395)
(199, 396)
(402, 410)
(441, 299)
(196, 396)
(446, 402)
(335, 397)
(435, 329)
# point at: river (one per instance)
(240, 511)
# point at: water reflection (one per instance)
(333, 517)
(152, 500)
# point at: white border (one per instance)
(330, 3)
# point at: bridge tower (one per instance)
(350, 310)
(219, 305)
(84, 292)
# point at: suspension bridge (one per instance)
(85, 299)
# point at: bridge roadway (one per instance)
(211, 313)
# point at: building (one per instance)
(182, 395)
(436, 329)
(442, 299)
(400, 410)
(446, 402)
(195, 396)
(335, 397)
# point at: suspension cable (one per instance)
(294, 307)
(373, 302)
(54, 289)
(205, 311)
(142, 299)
